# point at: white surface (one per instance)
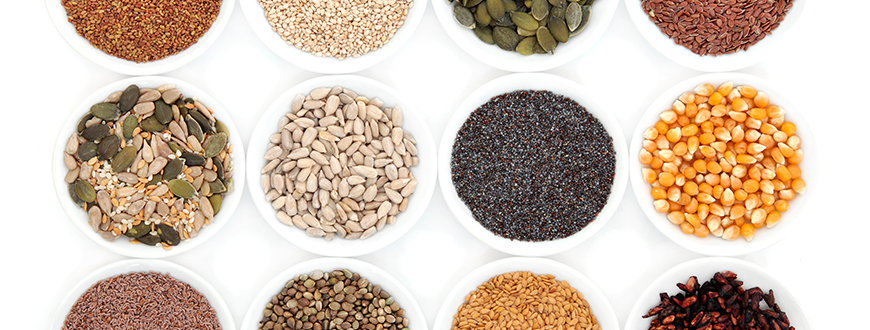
(751, 274)
(424, 172)
(820, 65)
(792, 218)
(558, 85)
(598, 303)
(126, 266)
(79, 218)
(372, 273)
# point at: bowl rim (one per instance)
(596, 298)
(58, 17)
(737, 247)
(185, 275)
(374, 274)
(514, 62)
(425, 173)
(329, 65)
(537, 81)
(721, 63)
(79, 218)
(711, 265)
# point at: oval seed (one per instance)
(540, 9)
(105, 111)
(181, 188)
(463, 16)
(527, 46)
(573, 16)
(558, 29)
(495, 8)
(524, 20)
(505, 38)
(128, 98)
(481, 16)
(484, 33)
(123, 159)
(85, 191)
(546, 40)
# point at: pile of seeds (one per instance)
(149, 164)
(723, 161)
(339, 164)
(142, 30)
(527, 27)
(533, 165)
(720, 303)
(139, 301)
(336, 28)
(523, 300)
(716, 27)
(339, 300)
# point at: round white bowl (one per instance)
(711, 245)
(81, 45)
(424, 172)
(598, 302)
(254, 14)
(751, 274)
(375, 275)
(121, 246)
(535, 81)
(602, 14)
(728, 62)
(225, 317)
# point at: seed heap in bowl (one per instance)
(719, 303)
(533, 166)
(527, 27)
(149, 164)
(339, 164)
(142, 30)
(141, 300)
(336, 28)
(340, 299)
(723, 162)
(523, 300)
(716, 27)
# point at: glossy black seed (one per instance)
(533, 165)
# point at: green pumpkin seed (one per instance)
(539, 49)
(221, 128)
(139, 230)
(155, 179)
(495, 8)
(229, 184)
(503, 21)
(71, 189)
(526, 33)
(216, 201)
(524, 20)
(558, 29)
(219, 167)
(505, 38)
(128, 98)
(108, 147)
(168, 234)
(217, 187)
(528, 3)
(95, 132)
(105, 111)
(558, 3)
(181, 188)
(587, 11)
(151, 124)
(130, 124)
(192, 159)
(193, 128)
(540, 9)
(174, 147)
(548, 43)
(87, 151)
(123, 159)
(149, 239)
(509, 5)
(214, 144)
(85, 191)
(173, 168)
(472, 3)
(83, 121)
(182, 110)
(559, 12)
(573, 16)
(203, 122)
(527, 46)
(162, 111)
(481, 16)
(463, 16)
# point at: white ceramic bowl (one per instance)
(375, 275)
(728, 62)
(602, 14)
(711, 245)
(121, 246)
(536, 81)
(598, 302)
(424, 172)
(254, 14)
(751, 274)
(81, 45)
(225, 317)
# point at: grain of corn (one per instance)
(723, 162)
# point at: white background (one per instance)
(821, 65)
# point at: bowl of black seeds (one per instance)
(532, 165)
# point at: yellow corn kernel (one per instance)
(747, 91)
(673, 194)
(752, 136)
(707, 151)
(781, 205)
(772, 219)
(785, 149)
(727, 197)
(645, 157)
(689, 172)
(650, 133)
(712, 179)
(778, 184)
(703, 211)
(689, 130)
(748, 231)
(705, 187)
(669, 117)
(797, 158)
(767, 141)
(766, 186)
(681, 148)
(740, 195)
(755, 172)
(704, 89)
(674, 206)
(767, 129)
(733, 95)
(776, 121)
(662, 142)
(752, 201)
(693, 143)
(691, 109)
(707, 138)
(701, 231)
(666, 179)
(671, 168)
(788, 128)
(661, 128)
(714, 222)
(725, 88)
(656, 163)
(755, 148)
(794, 142)
(700, 166)
(674, 134)
(745, 159)
(758, 216)
(799, 186)
(713, 167)
(679, 107)
(702, 116)
(774, 111)
(739, 105)
(687, 97)
(780, 136)
(667, 155)
(737, 212)
(767, 199)
(722, 133)
(691, 188)
(707, 127)
(693, 219)
(758, 113)
(716, 209)
(783, 173)
(661, 205)
(761, 99)
(676, 217)
(649, 175)
(719, 146)
(718, 111)
(786, 194)
(751, 185)
(715, 99)
(658, 193)
(687, 228)
(649, 145)
(683, 120)
(705, 198)
(777, 156)
(737, 134)
(731, 232)
(717, 189)
(692, 206)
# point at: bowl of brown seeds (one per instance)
(532, 165)
(525, 36)
(344, 36)
(714, 36)
(334, 293)
(140, 37)
(147, 167)
(143, 294)
(342, 165)
(556, 296)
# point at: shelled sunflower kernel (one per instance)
(723, 162)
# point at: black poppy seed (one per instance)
(533, 165)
